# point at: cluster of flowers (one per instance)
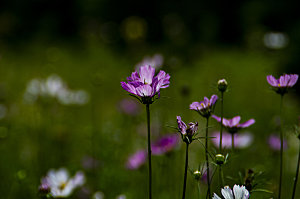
(54, 87)
(144, 86)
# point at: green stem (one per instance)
(296, 176)
(221, 177)
(199, 190)
(149, 150)
(281, 149)
(206, 156)
(185, 169)
(221, 129)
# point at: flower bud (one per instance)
(222, 85)
(220, 159)
(197, 174)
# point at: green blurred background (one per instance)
(93, 45)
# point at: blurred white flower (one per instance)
(54, 87)
(98, 195)
(275, 40)
(121, 196)
(61, 184)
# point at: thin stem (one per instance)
(232, 141)
(206, 156)
(296, 176)
(221, 177)
(281, 149)
(199, 190)
(149, 150)
(185, 169)
(221, 129)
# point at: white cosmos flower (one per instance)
(239, 192)
(61, 184)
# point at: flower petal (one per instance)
(272, 81)
(247, 123)
(216, 196)
(146, 74)
(181, 125)
(213, 99)
(128, 87)
(217, 118)
(227, 193)
(234, 121)
(195, 106)
(293, 80)
(144, 91)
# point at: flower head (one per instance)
(60, 183)
(241, 140)
(205, 107)
(156, 61)
(233, 125)
(187, 132)
(282, 84)
(222, 85)
(136, 160)
(145, 85)
(275, 143)
(238, 192)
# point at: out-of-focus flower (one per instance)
(239, 192)
(187, 132)
(122, 196)
(275, 143)
(282, 84)
(136, 160)
(205, 107)
(129, 107)
(144, 85)
(241, 140)
(275, 40)
(98, 195)
(61, 184)
(54, 87)
(233, 125)
(165, 144)
(156, 61)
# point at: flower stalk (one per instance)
(185, 169)
(206, 157)
(149, 150)
(281, 149)
(221, 128)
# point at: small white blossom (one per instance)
(239, 192)
(61, 184)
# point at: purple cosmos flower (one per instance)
(241, 140)
(233, 125)
(205, 107)
(136, 160)
(145, 85)
(165, 144)
(187, 132)
(274, 142)
(282, 84)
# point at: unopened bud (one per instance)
(220, 159)
(197, 174)
(222, 85)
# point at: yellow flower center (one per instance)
(62, 186)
